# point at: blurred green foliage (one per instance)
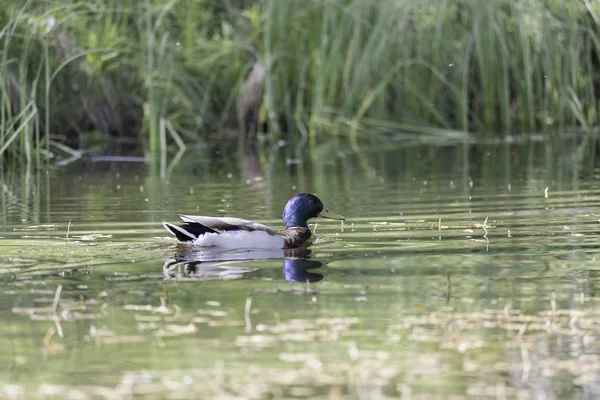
(353, 70)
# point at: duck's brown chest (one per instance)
(297, 237)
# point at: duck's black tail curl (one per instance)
(188, 232)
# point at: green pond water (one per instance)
(460, 272)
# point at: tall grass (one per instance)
(19, 77)
(168, 72)
(126, 68)
(493, 66)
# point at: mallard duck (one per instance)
(236, 233)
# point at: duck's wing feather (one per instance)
(187, 232)
(226, 223)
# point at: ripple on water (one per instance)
(445, 280)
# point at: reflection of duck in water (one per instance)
(236, 233)
(216, 264)
(296, 270)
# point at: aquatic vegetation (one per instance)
(165, 73)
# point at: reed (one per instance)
(491, 67)
(19, 77)
(168, 72)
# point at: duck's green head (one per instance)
(304, 206)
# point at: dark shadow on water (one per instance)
(210, 263)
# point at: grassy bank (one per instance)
(166, 73)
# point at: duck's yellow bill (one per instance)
(328, 214)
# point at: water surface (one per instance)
(461, 271)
